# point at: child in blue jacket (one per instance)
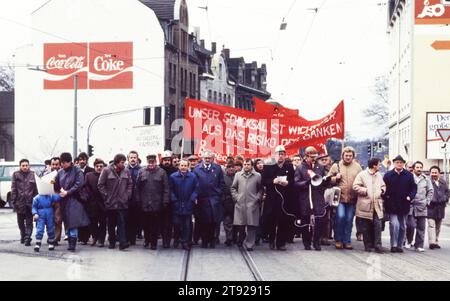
(43, 213)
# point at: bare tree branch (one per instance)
(377, 111)
(6, 78)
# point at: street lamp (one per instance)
(75, 109)
(75, 116)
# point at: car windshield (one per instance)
(9, 170)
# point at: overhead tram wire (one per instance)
(303, 44)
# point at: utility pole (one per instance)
(75, 117)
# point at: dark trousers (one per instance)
(25, 223)
(196, 230)
(320, 226)
(371, 230)
(417, 225)
(58, 221)
(306, 230)
(152, 221)
(98, 226)
(134, 222)
(207, 231)
(182, 225)
(277, 226)
(84, 233)
(166, 226)
(116, 218)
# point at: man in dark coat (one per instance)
(279, 182)
(94, 204)
(436, 209)
(23, 190)
(69, 182)
(400, 191)
(210, 202)
(311, 202)
(115, 186)
(228, 205)
(183, 195)
(152, 191)
(134, 217)
(166, 225)
(84, 232)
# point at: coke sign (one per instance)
(62, 61)
(98, 65)
(110, 65)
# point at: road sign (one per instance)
(444, 134)
(444, 147)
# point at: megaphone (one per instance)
(316, 179)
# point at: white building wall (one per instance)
(214, 88)
(44, 118)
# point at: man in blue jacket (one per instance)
(400, 191)
(211, 189)
(183, 196)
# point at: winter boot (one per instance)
(72, 244)
(37, 246)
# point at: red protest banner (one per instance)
(230, 131)
(263, 107)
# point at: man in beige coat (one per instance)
(247, 192)
(370, 186)
(343, 174)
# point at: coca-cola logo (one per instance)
(64, 62)
(97, 65)
(107, 64)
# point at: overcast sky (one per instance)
(322, 57)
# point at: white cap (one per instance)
(280, 148)
(166, 154)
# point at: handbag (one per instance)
(333, 195)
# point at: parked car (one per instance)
(6, 171)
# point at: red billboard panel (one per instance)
(62, 61)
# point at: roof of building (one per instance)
(164, 9)
(7, 105)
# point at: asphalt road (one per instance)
(223, 263)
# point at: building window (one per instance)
(185, 79)
(225, 98)
(220, 71)
(174, 75)
(194, 90)
(182, 79)
(209, 95)
(215, 97)
(220, 97)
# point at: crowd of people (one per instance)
(184, 201)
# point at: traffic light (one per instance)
(90, 150)
(374, 148)
(369, 150)
(147, 116)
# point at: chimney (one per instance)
(226, 52)
(202, 43)
(213, 47)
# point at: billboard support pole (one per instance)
(75, 117)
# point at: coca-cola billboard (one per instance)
(98, 65)
(62, 61)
